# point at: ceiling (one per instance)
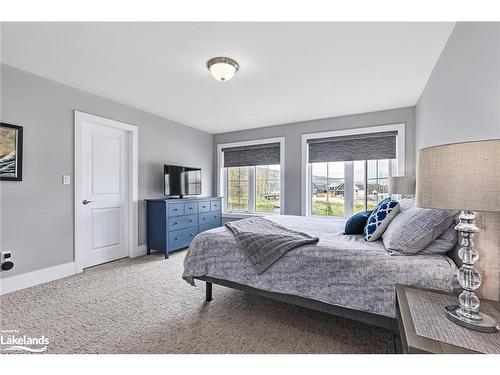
(289, 72)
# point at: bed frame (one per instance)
(344, 312)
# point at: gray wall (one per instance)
(293, 132)
(37, 213)
(461, 101)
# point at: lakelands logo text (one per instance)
(14, 342)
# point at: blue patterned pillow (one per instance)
(380, 218)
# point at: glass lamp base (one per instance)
(485, 324)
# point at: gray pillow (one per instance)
(443, 243)
(406, 203)
(413, 229)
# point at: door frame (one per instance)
(133, 227)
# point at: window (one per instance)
(328, 184)
(264, 180)
(348, 171)
(267, 188)
(328, 189)
(237, 189)
(369, 191)
(251, 179)
(377, 183)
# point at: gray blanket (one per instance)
(264, 242)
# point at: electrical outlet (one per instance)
(66, 180)
(5, 255)
(6, 262)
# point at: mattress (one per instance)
(342, 270)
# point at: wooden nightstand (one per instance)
(424, 328)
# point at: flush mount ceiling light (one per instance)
(222, 68)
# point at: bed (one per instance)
(342, 275)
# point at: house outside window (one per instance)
(327, 189)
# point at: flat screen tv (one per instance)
(181, 181)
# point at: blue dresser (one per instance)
(173, 223)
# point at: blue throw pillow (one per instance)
(380, 218)
(356, 223)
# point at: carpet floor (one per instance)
(142, 305)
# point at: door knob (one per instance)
(86, 201)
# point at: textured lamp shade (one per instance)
(460, 176)
(402, 185)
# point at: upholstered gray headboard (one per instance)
(487, 242)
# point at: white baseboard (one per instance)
(140, 251)
(29, 279)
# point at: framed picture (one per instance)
(11, 152)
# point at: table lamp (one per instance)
(404, 185)
(463, 177)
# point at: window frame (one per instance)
(306, 196)
(222, 177)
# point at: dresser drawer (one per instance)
(175, 209)
(182, 222)
(191, 208)
(211, 225)
(204, 206)
(209, 218)
(181, 238)
(215, 206)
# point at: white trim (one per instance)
(243, 215)
(348, 193)
(400, 152)
(141, 250)
(133, 154)
(220, 166)
(251, 190)
(29, 279)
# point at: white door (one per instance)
(103, 217)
